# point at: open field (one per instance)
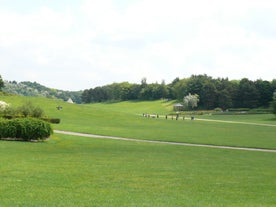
(125, 120)
(253, 118)
(77, 171)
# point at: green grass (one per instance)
(77, 171)
(125, 119)
(252, 118)
(74, 171)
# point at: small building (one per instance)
(178, 107)
(70, 100)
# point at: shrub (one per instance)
(3, 105)
(26, 129)
(52, 120)
(218, 109)
(28, 109)
(238, 109)
(7, 129)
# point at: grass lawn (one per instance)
(125, 119)
(75, 171)
(253, 118)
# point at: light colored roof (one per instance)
(70, 100)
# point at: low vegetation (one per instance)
(25, 129)
(27, 109)
(25, 122)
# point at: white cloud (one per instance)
(100, 42)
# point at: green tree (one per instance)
(209, 95)
(224, 99)
(164, 90)
(225, 93)
(273, 103)
(248, 95)
(1, 83)
(204, 87)
(180, 88)
(85, 96)
(265, 91)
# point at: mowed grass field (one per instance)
(125, 119)
(78, 171)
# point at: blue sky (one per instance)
(75, 45)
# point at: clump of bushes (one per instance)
(26, 129)
(26, 110)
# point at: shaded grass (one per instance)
(75, 171)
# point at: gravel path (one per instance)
(163, 142)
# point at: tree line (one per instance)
(212, 92)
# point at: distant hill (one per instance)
(28, 88)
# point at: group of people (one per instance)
(151, 115)
(177, 116)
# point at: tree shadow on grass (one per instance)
(271, 119)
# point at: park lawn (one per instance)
(124, 119)
(179, 131)
(139, 107)
(76, 171)
(251, 118)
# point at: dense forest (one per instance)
(213, 93)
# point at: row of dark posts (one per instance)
(166, 116)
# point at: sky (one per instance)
(81, 44)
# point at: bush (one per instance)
(51, 120)
(238, 109)
(26, 129)
(28, 109)
(218, 109)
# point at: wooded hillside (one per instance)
(219, 92)
(27, 88)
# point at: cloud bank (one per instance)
(73, 46)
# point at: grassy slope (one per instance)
(74, 171)
(125, 119)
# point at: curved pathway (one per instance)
(163, 142)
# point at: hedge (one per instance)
(26, 129)
(50, 120)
